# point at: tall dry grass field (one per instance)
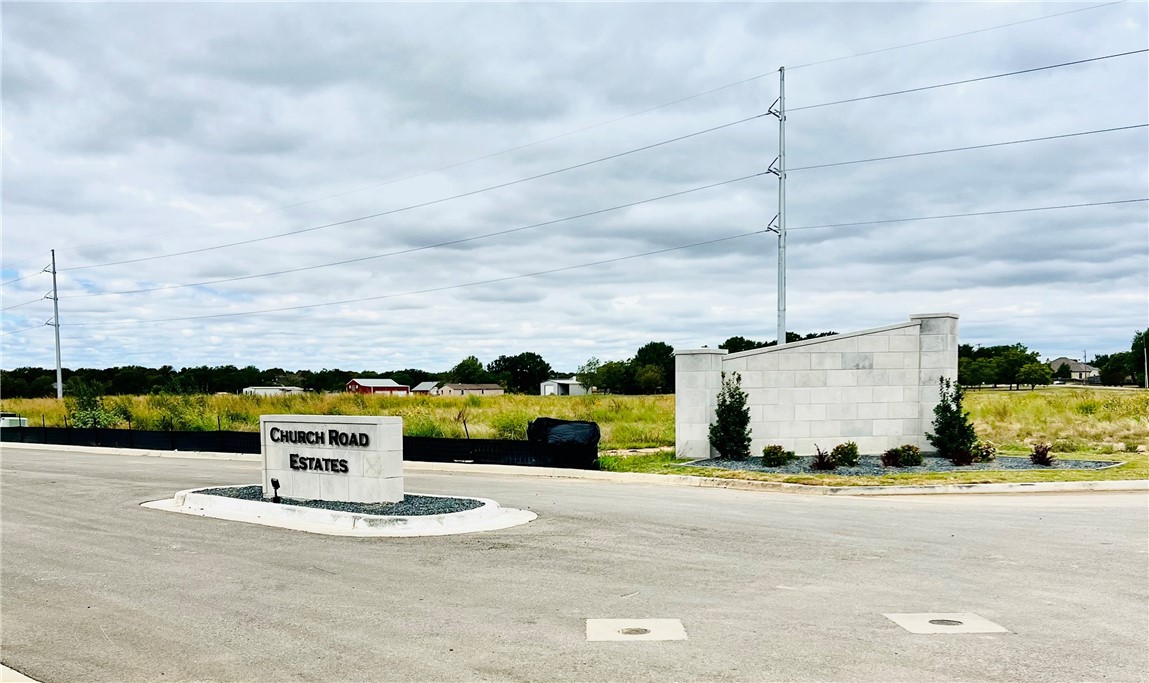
(625, 421)
(1072, 419)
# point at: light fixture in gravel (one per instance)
(947, 622)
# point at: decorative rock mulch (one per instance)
(871, 465)
(411, 505)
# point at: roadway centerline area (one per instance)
(768, 586)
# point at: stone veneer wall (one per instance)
(876, 387)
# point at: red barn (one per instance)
(387, 387)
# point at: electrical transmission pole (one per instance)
(56, 324)
(778, 168)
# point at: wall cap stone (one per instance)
(919, 316)
(701, 352)
(822, 340)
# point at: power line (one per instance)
(970, 147)
(473, 192)
(423, 204)
(970, 80)
(4, 284)
(612, 260)
(426, 291)
(35, 327)
(9, 308)
(9, 265)
(430, 246)
(955, 35)
(968, 215)
(473, 238)
(607, 122)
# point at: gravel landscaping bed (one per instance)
(871, 465)
(411, 506)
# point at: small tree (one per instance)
(1063, 372)
(85, 403)
(587, 374)
(954, 436)
(730, 432)
(1034, 374)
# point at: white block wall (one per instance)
(877, 388)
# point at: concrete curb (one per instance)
(13, 676)
(666, 479)
(487, 517)
(782, 487)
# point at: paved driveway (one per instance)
(768, 586)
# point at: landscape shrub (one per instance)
(776, 456)
(1042, 454)
(845, 454)
(730, 432)
(822, 460)
(984, 451)
(954, 437)
(911, 455)
(906, 455)
(1069, 446)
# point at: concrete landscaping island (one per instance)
(342, 476)
(414, 516)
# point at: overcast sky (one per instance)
(141, 132)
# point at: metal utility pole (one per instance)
(56, 324)
(778, 168)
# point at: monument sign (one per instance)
(333, 457)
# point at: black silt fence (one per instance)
(415, 448)
(221, 441)
(499, 452)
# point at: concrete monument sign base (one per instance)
(347, 458)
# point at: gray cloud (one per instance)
(134, 131)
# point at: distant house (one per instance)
(561, 387)
(272, 391)
(471, 390)
(387, 387)
(428, 388)
(1078, 371)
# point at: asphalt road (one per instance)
(768, 586)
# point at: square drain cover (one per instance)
(947, 622)
(635, 629)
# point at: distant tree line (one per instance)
(519, 374)
(1015, 365)
(1124, 367)
(736, 344)
(649, 371)
(1011, 365)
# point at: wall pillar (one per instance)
(698, 379)
(938, 357)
